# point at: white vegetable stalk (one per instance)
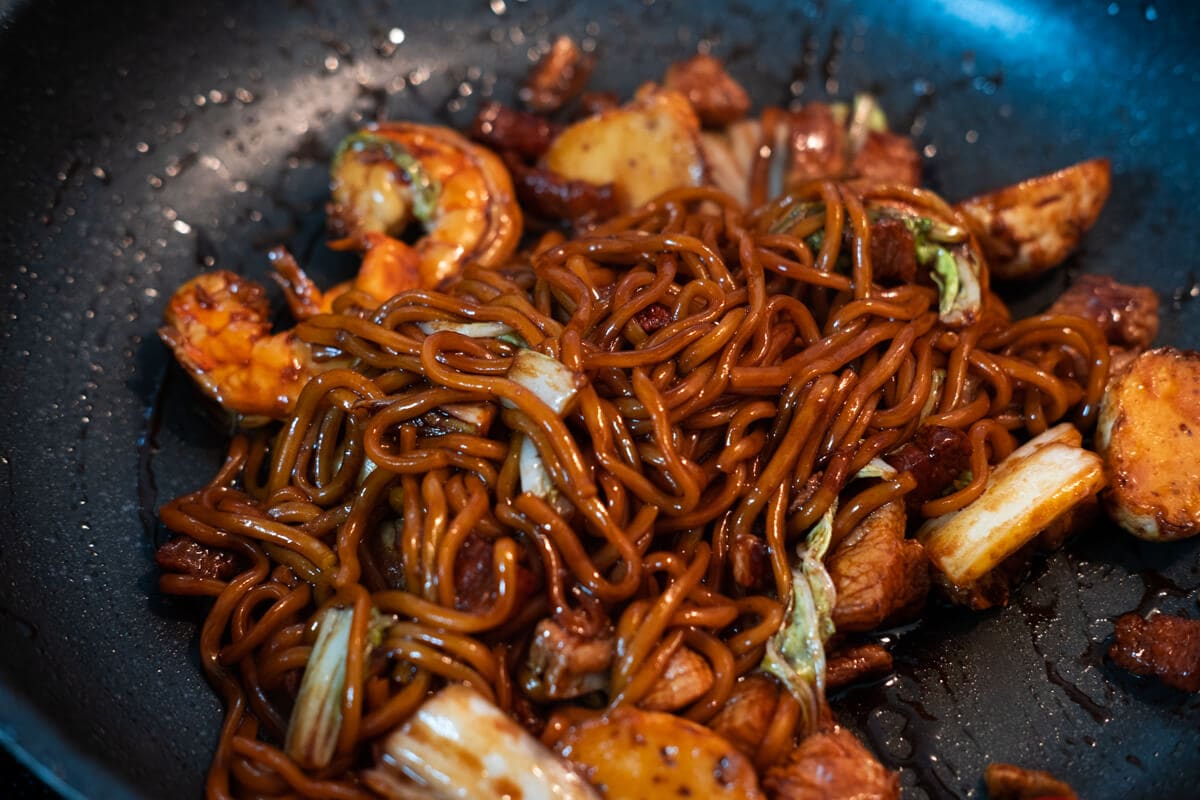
(554, 385)
(877, 468)
(1036, 485)
(316, 721)
(479, 415)
(546, 377)
(459, 746)
(936, 381)
(535, 477)
(475, 330)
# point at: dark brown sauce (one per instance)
(1158, 587)
(1101, 714)
(914, 745)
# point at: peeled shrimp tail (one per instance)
(218, 327)
(304, 299)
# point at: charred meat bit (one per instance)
(558, 77)
(936, 457)
(893, 252)
(473, 571)
(832, 765)
(386, 558)
(878, 573)
(716, 96)
(853, 664)
(475, 579)
(1163, 645)
(818, 144)
(507, 130)
(185, 555)
(550, 196)
(747, 714)
(1010, 782)
(750, 561)
(563, 664)
(887, 158)
(802, 494)
(653, 317)
(1127, 314)
(527, 715)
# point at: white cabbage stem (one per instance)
(546, 377)
(475, 330)
(459, 746)
(1037, 484)
(316, 721)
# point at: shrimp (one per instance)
(219, 328)
(389, 267)
(386, 176)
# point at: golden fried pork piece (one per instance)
(858, 663)
(643, 148)
(629, 754)
(1149, 435)
(1031, 226)
(1126, 314)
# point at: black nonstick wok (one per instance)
(143, 142)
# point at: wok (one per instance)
(142, 142)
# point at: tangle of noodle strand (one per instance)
(730, 382)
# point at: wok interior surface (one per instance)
(143, 144)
